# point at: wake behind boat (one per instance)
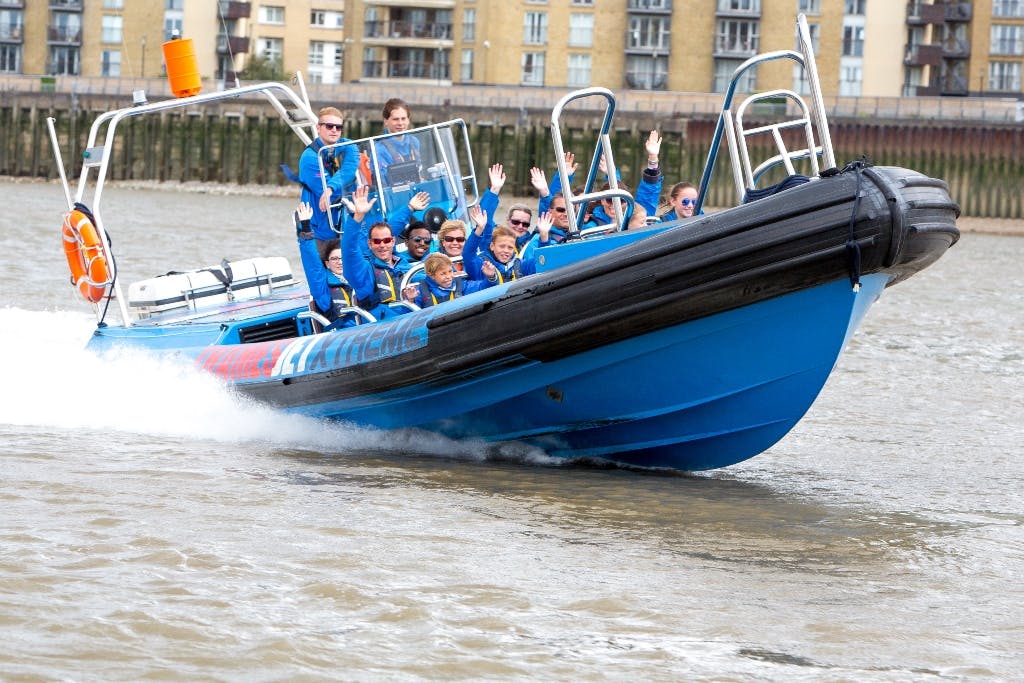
(691, 344)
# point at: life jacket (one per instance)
(388, 281)
(396, 156)
(429, 297)
(513, 270)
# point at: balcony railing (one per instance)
(407, 69)
(407, 29)
(959, 11)
(650, 6)
(920, 13)
(17, 4)
(728, 46)
(956, 48)
(64, 34)
(919, 55)
(235, 10)
(11, 32)
(645, 80)
(233, 44)
(66, 4)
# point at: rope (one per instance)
(227, 39)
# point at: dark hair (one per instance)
(393, 104)
(327, 247)
(679, 187)
(414, 225)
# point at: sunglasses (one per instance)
(454, 238)
(558, 209)
(524, 224)
(331, 126)
(335, 259)
(420, 240)
(382, 240)
(688, 202)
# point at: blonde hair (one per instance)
(451, 225)
(329, 111)
(436, 262)
(502, 231)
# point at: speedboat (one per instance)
(691, 344)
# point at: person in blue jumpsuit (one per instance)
(340, 164)
(376, 278)
(330, 292)
(396, 148)
(440, 283)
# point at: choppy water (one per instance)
(154, 526)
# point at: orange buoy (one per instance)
(88, 265)
(182, 67)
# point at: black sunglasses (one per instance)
(331, 126)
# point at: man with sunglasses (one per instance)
(683, 200)
(340, 165)
(376, 278)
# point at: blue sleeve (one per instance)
(471, 260)
(309, 174)
(346, 174)
(354, 266)
(399, 218)
(649, 191)
(316, 274)
(489, 205)
(477, 285)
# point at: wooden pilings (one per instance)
(983, 163)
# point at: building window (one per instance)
(850, 78)
(271, 49)
(466, 66)
(855, 7)
(65, 61)
(648, 33)
(1008, 8)
(10, 59)
(468, 25)
(814, 31)
(808, 6)
(10, 24)
(724, 70)
(176, 4)
(110, 65)
(316, 53)
(271, 14)
(579, 71)
(1004, 76)
(740, 37)
(533, 68)
(588, 3)
(647, 73)
(111, 32)
(170, 26)
(749, 6)
(113, 4)
(327, 19)
(581, 29)
(535, 28)
(853, 41)
(1007, 39)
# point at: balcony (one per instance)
(954, 85)
(69, 35)
(66, 4)
(233, 44)
(15, 4)
(649, 6)
(921, 55)
(385, 30)
(235, 10)
(11, 33)
(645, 80)
(722, 10)
(959, 11)
(731, 47)
(425, 71)
(919, 14)
(956, 48)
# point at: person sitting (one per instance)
(647, 192)
(518, 217)
(330, 292)
(501, 250)
(682, 199)
(418, 241)
(451, 238)
(397, 149)
(376, 278)
(340, 165)
(440, 283)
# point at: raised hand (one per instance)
(602, 165)
(653, 146)
(570, 163)
(304, 212)
(479, 218)
(488, 269)
(544, 225)
(539, 181)
(497, 175)
(419, 201)
(359, 205)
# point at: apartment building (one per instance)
(863, 47)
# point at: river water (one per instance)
(154, 526)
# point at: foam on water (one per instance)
(54, 381)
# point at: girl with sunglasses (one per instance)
(683, 200)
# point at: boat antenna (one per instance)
(227, 40)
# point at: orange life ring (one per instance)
(88, 265)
